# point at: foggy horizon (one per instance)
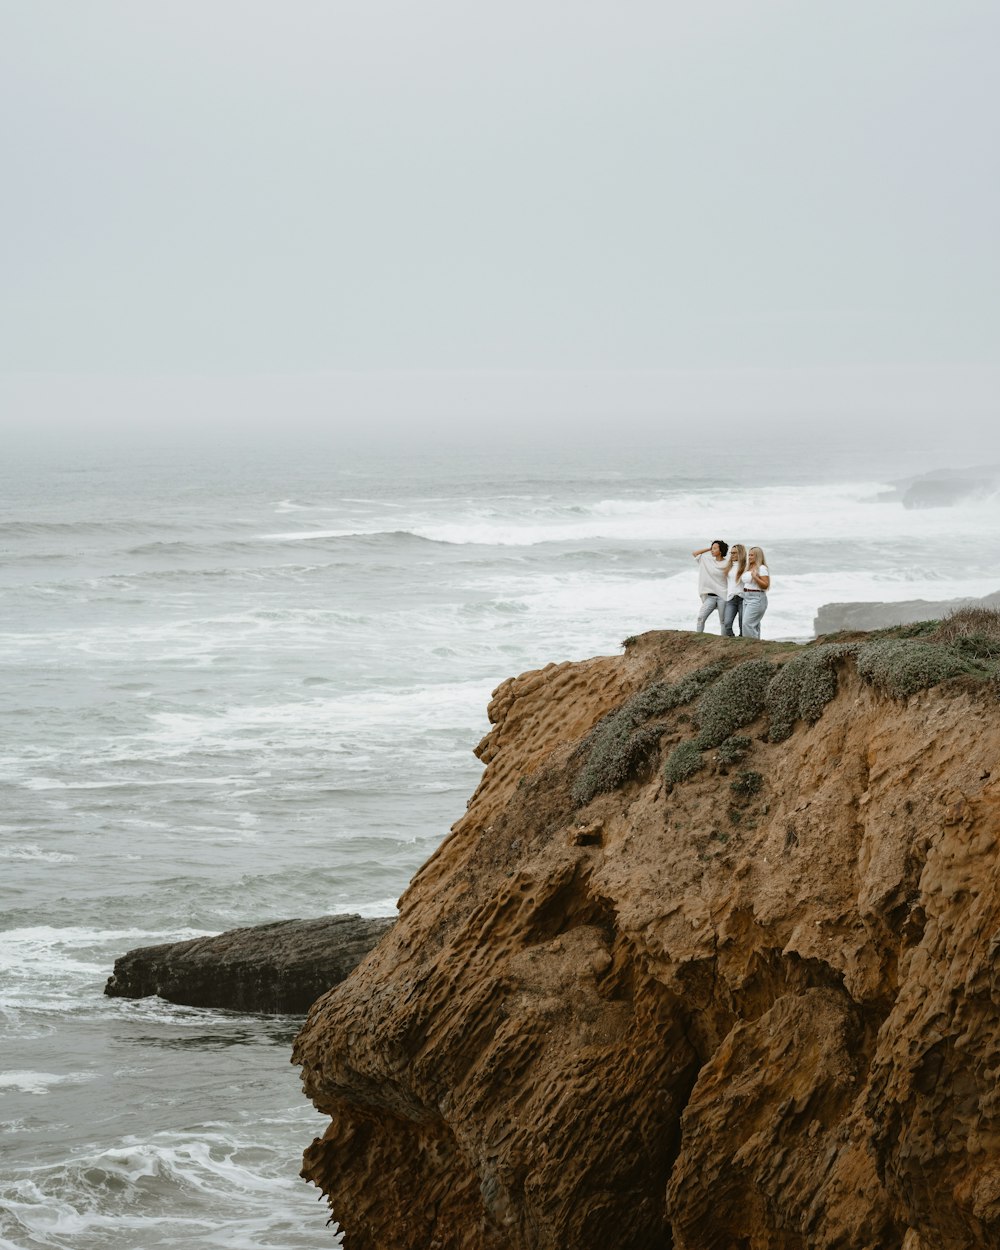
(659, 214)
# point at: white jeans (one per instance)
(709, 604)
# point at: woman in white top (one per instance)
(755, 582)
(734, 589)
(711, 581)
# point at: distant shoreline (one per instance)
(831, 618)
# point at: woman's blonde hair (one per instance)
(737, 556)
(761, 558)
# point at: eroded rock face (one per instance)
(270, 968)
(690, 1017)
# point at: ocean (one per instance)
(240, 685)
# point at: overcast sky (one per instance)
(749, 203)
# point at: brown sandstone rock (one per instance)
(672, 1018)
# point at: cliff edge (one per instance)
(712, 960)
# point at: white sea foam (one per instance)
(765, 514)
(52, 783)
(311, 535)
(48, 965)
(41, 1082)
(166, 1191)
(349, 723)
(31, 852)
(375, 910)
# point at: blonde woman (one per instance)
(755, 583)
(735, 569)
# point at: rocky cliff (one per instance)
(712, 960)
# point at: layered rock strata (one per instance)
(271, 968)
(758, 1009)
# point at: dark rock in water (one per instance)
(942, 488)
(281, 967)
(831, 618)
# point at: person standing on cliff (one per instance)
(756, 583)
(711, 581)
(735, 568)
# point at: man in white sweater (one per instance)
(711, 581)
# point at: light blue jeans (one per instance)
(709, 604)
(754, 607)
(734, 609)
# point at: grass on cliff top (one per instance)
(973, 632)
(624, 740)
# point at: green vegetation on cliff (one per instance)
(803, 686)
(735, 700)
(788, 688)
(621, 742)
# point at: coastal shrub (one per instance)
(902, 666)
(683, 762)
(733, 749)
(971, 622)
(802, 687)
(616, 755)
(623, 741)
(980, 648)
(663, 696)
(747, 785)
(916, 629)
(972, 632)
(736, 699)
(693, 684)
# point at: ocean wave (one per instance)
(167, 1191)
(129, 783)
(382, 537)
(780, 512)
(16, 529)
(349, 716)
(53, 987)
(186, 546)
(11, 559)
(29, 851)
(29, 950)
(42, 1082)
